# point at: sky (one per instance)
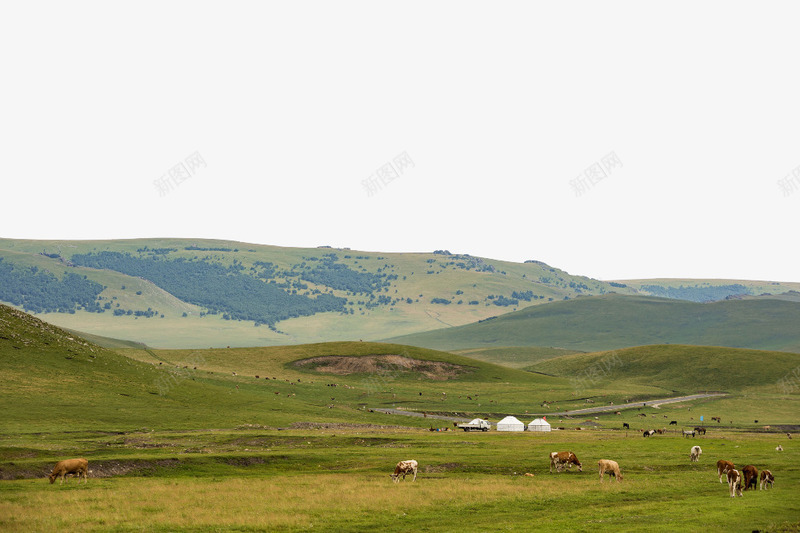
(616, 140)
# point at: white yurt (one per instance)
(510, 423)
(539, 424)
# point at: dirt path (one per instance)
(576, 412)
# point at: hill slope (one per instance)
(200, 293)
(614, 321)
(682, 369)
(55, 381)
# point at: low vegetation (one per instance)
(244, 439)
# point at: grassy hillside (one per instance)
(50, 375)
(514, 356)
(207, 293)
(615, 321)
(54, 380)
(683, 369)
(185, 293)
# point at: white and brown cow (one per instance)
(694, 453)
(403, 468)
(610, 467)
(78, 467)
(723, 467)
(766, 479)
(559, 459)
(735, 482)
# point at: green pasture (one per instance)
(335, 478)
(244, 439)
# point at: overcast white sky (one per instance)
(495, 110)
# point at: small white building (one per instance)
(539, 424)
(510, 423)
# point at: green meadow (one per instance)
(288, 438)
(336, 478)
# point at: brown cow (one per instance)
(766, 479)
(722, 468)
(559, 459)
(750, 475)
(607, 465)
(735, 482)
(78, 467)
(403, 468)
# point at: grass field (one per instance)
(244, 439)
(336, 479)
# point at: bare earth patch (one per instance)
(381, 364)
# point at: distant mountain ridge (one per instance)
(197, 293)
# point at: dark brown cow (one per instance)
(750, 474)
(78, 467)
(559, 459)
(722, 468)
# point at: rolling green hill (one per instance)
(514, 356)
(614, 321)
(680, 368)
(181, 293)
(53, 380)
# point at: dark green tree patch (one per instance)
(39, 291)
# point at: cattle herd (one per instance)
(737, 481)
(746, 479)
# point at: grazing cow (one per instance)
(687, 432)
(750, 474)
(694, 454)
(648, 432)
(766, 479)
(673, 423)
(735, 482)
(779, 448)
(723, 467)
(611, 467)
(625, 425)
(700, 431)
(403, 468)
(77, 467)
(559, 459)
